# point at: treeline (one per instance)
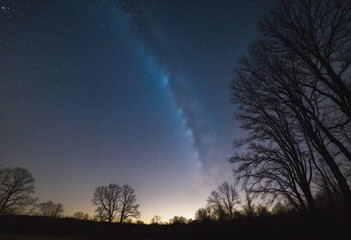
(16, 195)
(16, 198)
(293, 92)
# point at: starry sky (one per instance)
(128, 92)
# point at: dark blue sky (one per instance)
(136, 92)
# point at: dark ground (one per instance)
(36, 237)
(285, 226)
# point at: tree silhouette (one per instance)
(156, 219)
(178, 220)
(280, 208)
(101, 214)
(107, 199)
(317, 34)
(112, 200)
(204, 214)
(277, 161)
(129, 208)
(293, 93)
(214, 201)
(50, 209)
(81, 216)
(249, 207)
(224, 200)
(16, 188)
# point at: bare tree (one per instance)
(277, 162)
(156, 219)
(50, 209)
(215, 202)
(16, 188)
(293, 91)
(318, 35)
(249, 207)
(205, 214)
(107, 199)
(224, 200)
(229, 197)
(101, 214)
(129, 208)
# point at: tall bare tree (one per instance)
(230, 197)
(16, 189)
(129, 208)
(214, 201)
(224, 200)
(318, 33)
(293, 90)
(277, 163)
(107, 199)
(249, 207)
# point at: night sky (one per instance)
(129, 92)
